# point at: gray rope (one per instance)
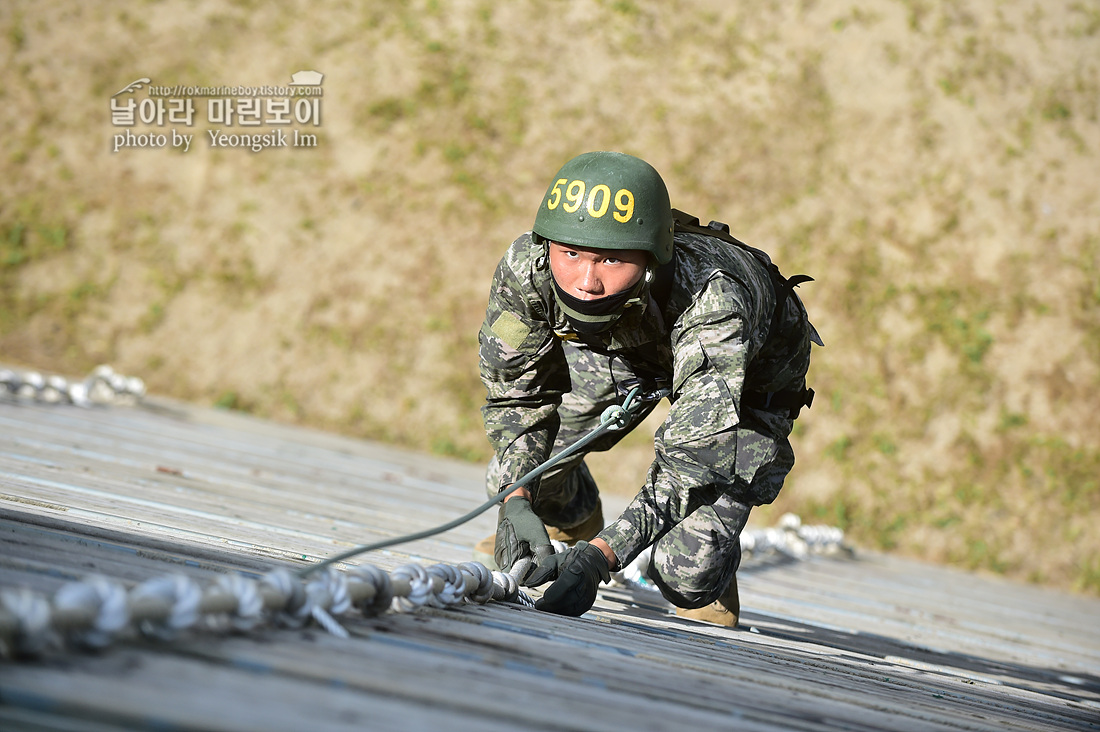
(791, 538)
(99, 599)
(93, 612)
(102, 386)
(184, 596)
(614, 417)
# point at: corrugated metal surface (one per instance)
(870, 642)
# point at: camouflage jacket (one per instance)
(710, 338)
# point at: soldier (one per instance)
(613, 288)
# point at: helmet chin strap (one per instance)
(590, 317)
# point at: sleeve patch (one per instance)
(511, 330)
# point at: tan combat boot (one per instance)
(484, 552)
(723, 611)
(584, 531)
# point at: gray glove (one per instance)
(520, 534)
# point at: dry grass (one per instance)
(934, 165)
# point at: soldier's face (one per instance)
(588, 274)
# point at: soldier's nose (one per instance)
(589, 283)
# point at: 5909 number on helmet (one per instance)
(599, 199)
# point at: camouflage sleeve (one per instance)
(697, 445)
(523, 369)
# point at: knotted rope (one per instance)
(92, 612)
(102, 386)
(790, 539)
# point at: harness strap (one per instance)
(783, 286)
(719, 230)
(792, 400)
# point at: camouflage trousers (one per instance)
(566, 495)
(693, 522)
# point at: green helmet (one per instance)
(608, 200)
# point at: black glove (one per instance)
(548, 569)
(520, 533)
(579, 572)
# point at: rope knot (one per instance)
(380, 582)
(615, 417)
(250, 604)
(483, 592)
(182, 593)
(295, 602)
(97, 595)
(421, 587)
(33, 632)
(454, 585)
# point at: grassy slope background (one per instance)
(933, 164)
